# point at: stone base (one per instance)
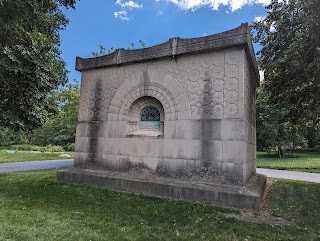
(245, 197)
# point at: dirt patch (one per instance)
(260, 218)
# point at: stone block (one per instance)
(82, 129)
(233, 152)
(232, 130)
(210, 129)
(173, 85)
(82, 144)
(169, 129)
(177, 91)
(184, 115)
(182, 98)
(113, 109)
(116, 102)
(249, 170)
(81, 158)
(112, 117)
(185, 106)
(167, 80)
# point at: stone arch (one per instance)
(137, 106)
(163, 87)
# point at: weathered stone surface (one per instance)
(197, 100)
(246, 197)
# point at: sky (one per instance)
(118, 23)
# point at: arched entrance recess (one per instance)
(145, 117)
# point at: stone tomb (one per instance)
(176, 120)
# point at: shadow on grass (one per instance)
(35, 204)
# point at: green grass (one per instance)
(304, 161)
(34, 206)
(22, 157)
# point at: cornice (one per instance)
(176, 47)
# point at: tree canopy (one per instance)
(60, 129)
(31, 66)
(290, 57)
(273, 128)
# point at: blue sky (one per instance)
(117, 23)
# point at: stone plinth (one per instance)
(246, 197)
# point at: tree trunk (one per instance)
(280, 152)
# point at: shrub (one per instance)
(9, 137)
(48, 148)
(22, 147)
(69, 147)
(315, 149)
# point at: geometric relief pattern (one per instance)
(231, 91)
(208, 84)
(96, 93)
(154, 86)
(153, 90)
(203, 78)
(84, 101)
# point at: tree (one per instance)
(30, 63)
(102, 49)
(60, 129)
(290, 57)
(273, 128)
(9, 137)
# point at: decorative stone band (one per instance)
(239, 36)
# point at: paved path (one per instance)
(37, 165)
(300, 176)
(34, 165)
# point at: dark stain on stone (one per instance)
(146, 82)
(205, 124)
(94, 124)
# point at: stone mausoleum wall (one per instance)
(204, 89)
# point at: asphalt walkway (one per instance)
(34, 165)
(38, 165)
(300, 176)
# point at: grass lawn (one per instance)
(305, 162)
(34, 206)
(22, 157)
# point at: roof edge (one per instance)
(175, 47)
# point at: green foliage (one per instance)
(48, 148)
(290, 57)
(34, 206)
(143, 44)
(60, 129)
(273, 128)
(30, 61)
(9, 137)
(23, 147)
(69, 147)
(28, 147)
(102, 49)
